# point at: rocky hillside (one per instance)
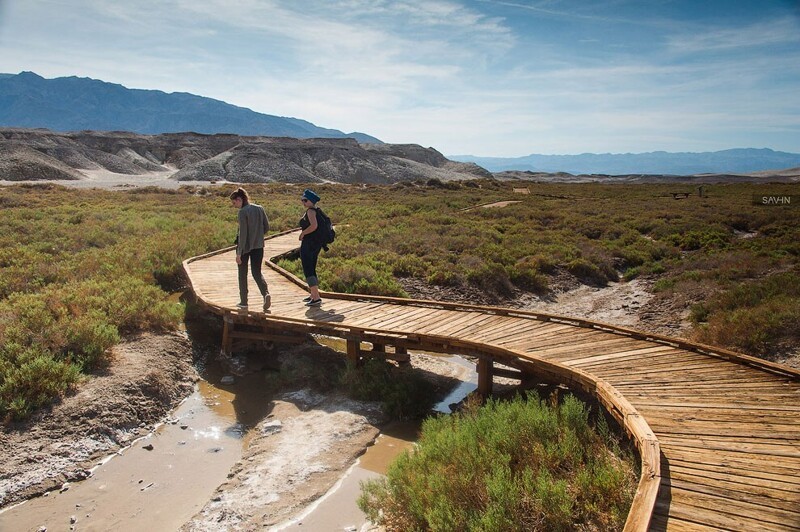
(36, 154)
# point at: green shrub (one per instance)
(492, 278)
(30, 378)
(444, 277)
(528, 278)
(515, 465)
(587, 272)
(754, 317)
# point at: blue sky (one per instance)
(480, 77)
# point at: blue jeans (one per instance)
(255, 256)
(309, 253)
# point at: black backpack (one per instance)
(327, 234)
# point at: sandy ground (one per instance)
(112, 181)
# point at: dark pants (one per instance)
(309, 253)
(255, 256)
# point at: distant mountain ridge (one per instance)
(734, 161)
(28, 100)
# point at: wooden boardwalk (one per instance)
(718, 433)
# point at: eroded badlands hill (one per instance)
(36, 154)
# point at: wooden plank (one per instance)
(732, 415)
(521, 329)
(675, 376)
(673, 524)
(485, 372)
(504, 326)
(364, 309)
(726, 511)
(376, 317)
(767, 467)
(480, 332)
(747, 447)
(666, 355)
(784, 487)
(463, 328)
(427, 319)
(412, 315)
(738, 407)
(570, 336)
(570, 352)
(447, 321)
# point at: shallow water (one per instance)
(162, 488)
(337, 509)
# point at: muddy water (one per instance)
(337, 510)
(159, 487)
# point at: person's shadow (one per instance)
(324, 314)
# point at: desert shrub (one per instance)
(759, 330)
(492, 278)
(517, 465)
(444, 276)
(528, 279)
(708, 238)
(78, 271)
(587, 272)
(757, 317)
(30, 377)
(409, 266)
(363, 275)
(663, 285)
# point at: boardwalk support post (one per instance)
(354, 351)
(402, 356)
(485, 374)
(227, 339)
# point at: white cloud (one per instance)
(442, 73)
(761, 33)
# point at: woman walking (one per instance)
(253, 225)
(311, 246)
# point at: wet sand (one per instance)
(141, 489)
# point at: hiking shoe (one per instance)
(241, 305)
(314, 303)
(306, 299)
(267, 301)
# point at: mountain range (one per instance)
(735, 161)
(66, 104)
(28, 100)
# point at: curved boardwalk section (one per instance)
(718, 433)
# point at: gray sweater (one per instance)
(253, 225)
